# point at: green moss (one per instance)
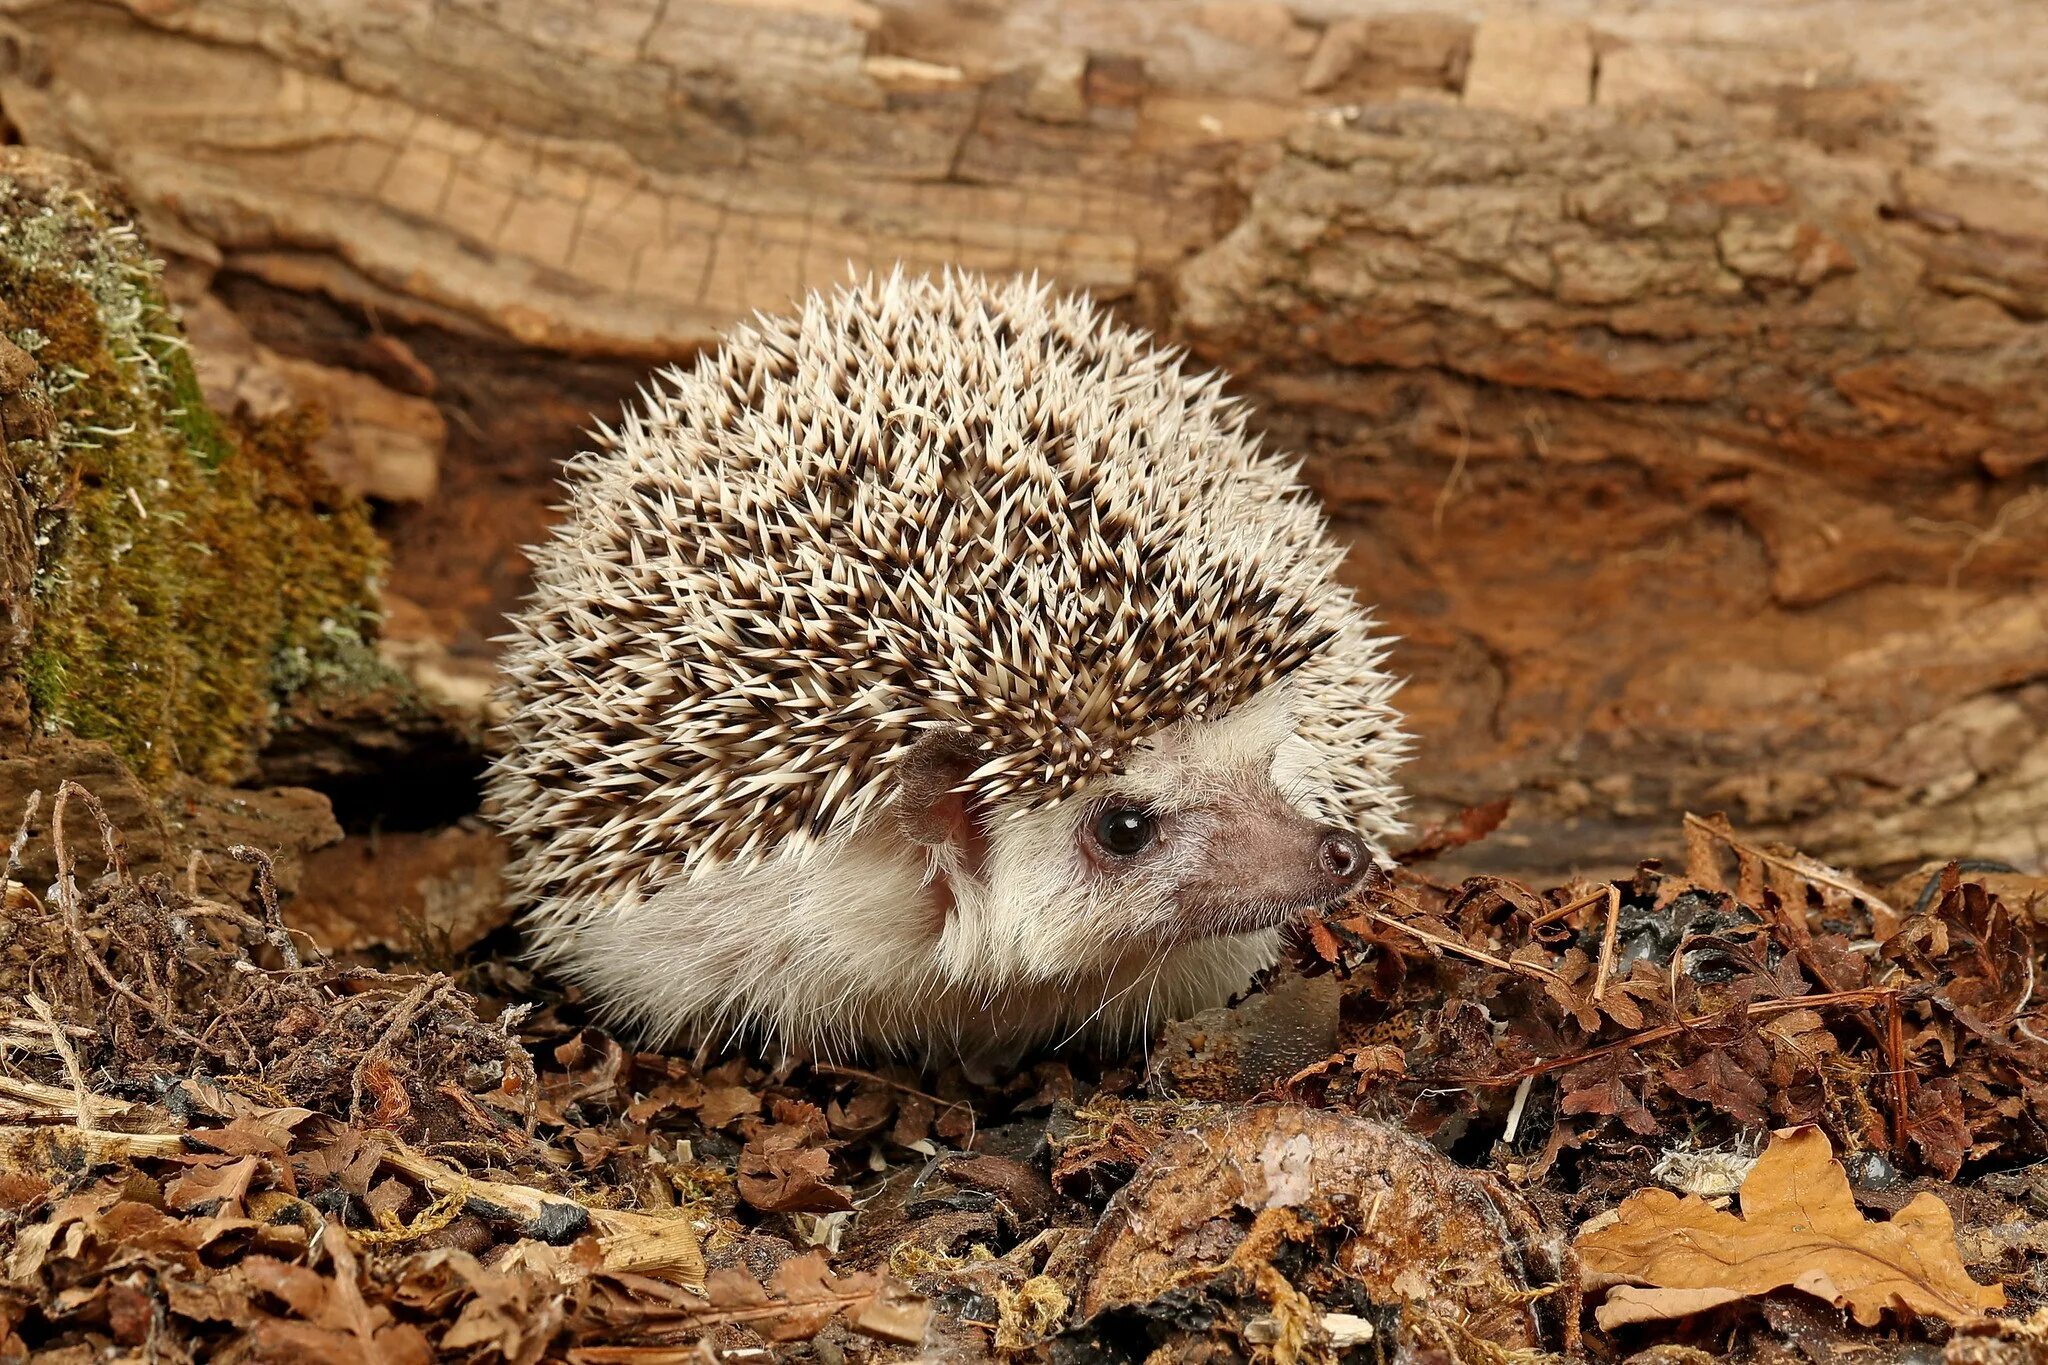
(204, 435)
(43, 675)
(192, 572)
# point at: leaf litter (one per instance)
(216, 1144)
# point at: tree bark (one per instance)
(1679, 385)
(1700, 472)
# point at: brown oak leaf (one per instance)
(1799, 1229)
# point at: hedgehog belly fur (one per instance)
(834, 955)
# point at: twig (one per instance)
(1791, 924)
(485, 1122)
(397, 1022)
(211, 909)
(1514, 1123)
(631, 1241)
(1868, 995)
(68, 1149)
(58, 1100)
(68, 1053)
(109, 839)
(266, 892)
(1606, 965)
(318, 1039)
(1895, 1062)
(519, 1061)
(28, 815)
(1798, 867)
(26, 1042)
(523, 1200)
(1456, 946)
(164, 990)
(67, 889)
(22, 1021)
(1569, 907)
(125, 991)
(74, 912)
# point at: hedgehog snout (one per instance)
(1342, 859)
(1253, 861)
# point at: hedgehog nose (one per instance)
(1341, 856)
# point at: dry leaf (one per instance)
(805, 1294)
(779, 1174)
(1627, 1305)
(723, 1104)
(224, 1186)
(1800, 1228)
(651, 1244)
(1468, 826)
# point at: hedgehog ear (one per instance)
(931, 811)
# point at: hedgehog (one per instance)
(939, 671)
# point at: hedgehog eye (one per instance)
(1125, 830)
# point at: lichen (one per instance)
(192, 571)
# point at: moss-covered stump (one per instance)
(172, 579)
(190, 572)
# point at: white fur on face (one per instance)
(1040, 906)
(858, 947)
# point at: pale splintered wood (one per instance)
(1530, 64)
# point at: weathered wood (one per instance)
(1692, 478)
(1685, 404)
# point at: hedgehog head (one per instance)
(958, 562)
(1201, 832)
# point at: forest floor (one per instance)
(1749, 1108)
